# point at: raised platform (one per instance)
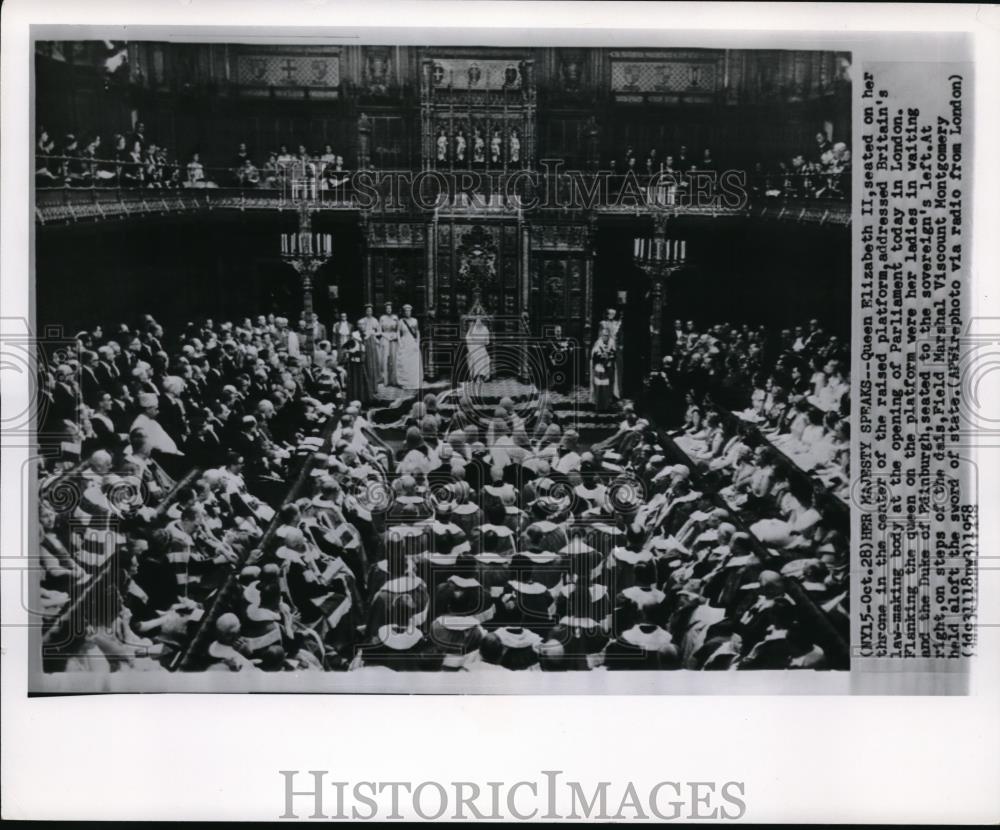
(573, 410)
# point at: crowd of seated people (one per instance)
(134, 161)
(672, 162)
(794, 388)
(733, 362)
(484, 542)
(499, 544)
(781, 513)
(173, 456)
(131, 161)
(822, 173)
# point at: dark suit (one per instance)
(107, 373)
(172, 418)
(90, 386)
(204, 449)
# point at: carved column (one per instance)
(593, 144)
(529, 153)
(364, 141)
(524, 267)
(426, 119)
(655, 323)
(307, 271)
(588, 286)
(430, 301)
(369, 289)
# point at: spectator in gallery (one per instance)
(242, 156)
(328, 157)
(133, 169)
(45, 168)
(119, 150)
(304, 165)
(196, 173)
(272, 170)
(139, 136)
(823, 145)
(99, 173)
(285, 158)
(153, 174)
(75, 172)
(248, 175)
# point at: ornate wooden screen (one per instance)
(561, 284)
(477, 113)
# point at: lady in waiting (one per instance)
(612, 326)
(478, 341)
(389, 323)
(371, 332)
(409, 370)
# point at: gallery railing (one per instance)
(71, 189)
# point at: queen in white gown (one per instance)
(409, 371)
(478, 340)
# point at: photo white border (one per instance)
(803, 758)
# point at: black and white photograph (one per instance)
(441, 359)
(500, 410)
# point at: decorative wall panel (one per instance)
(317, 69)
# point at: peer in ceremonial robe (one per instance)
(602, 372)
(612, 324)
(357, 377)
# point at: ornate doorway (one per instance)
(478, 260)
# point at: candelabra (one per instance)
(659, 258)
(306, 251)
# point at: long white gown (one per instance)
(478, 339)
(409, 371)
